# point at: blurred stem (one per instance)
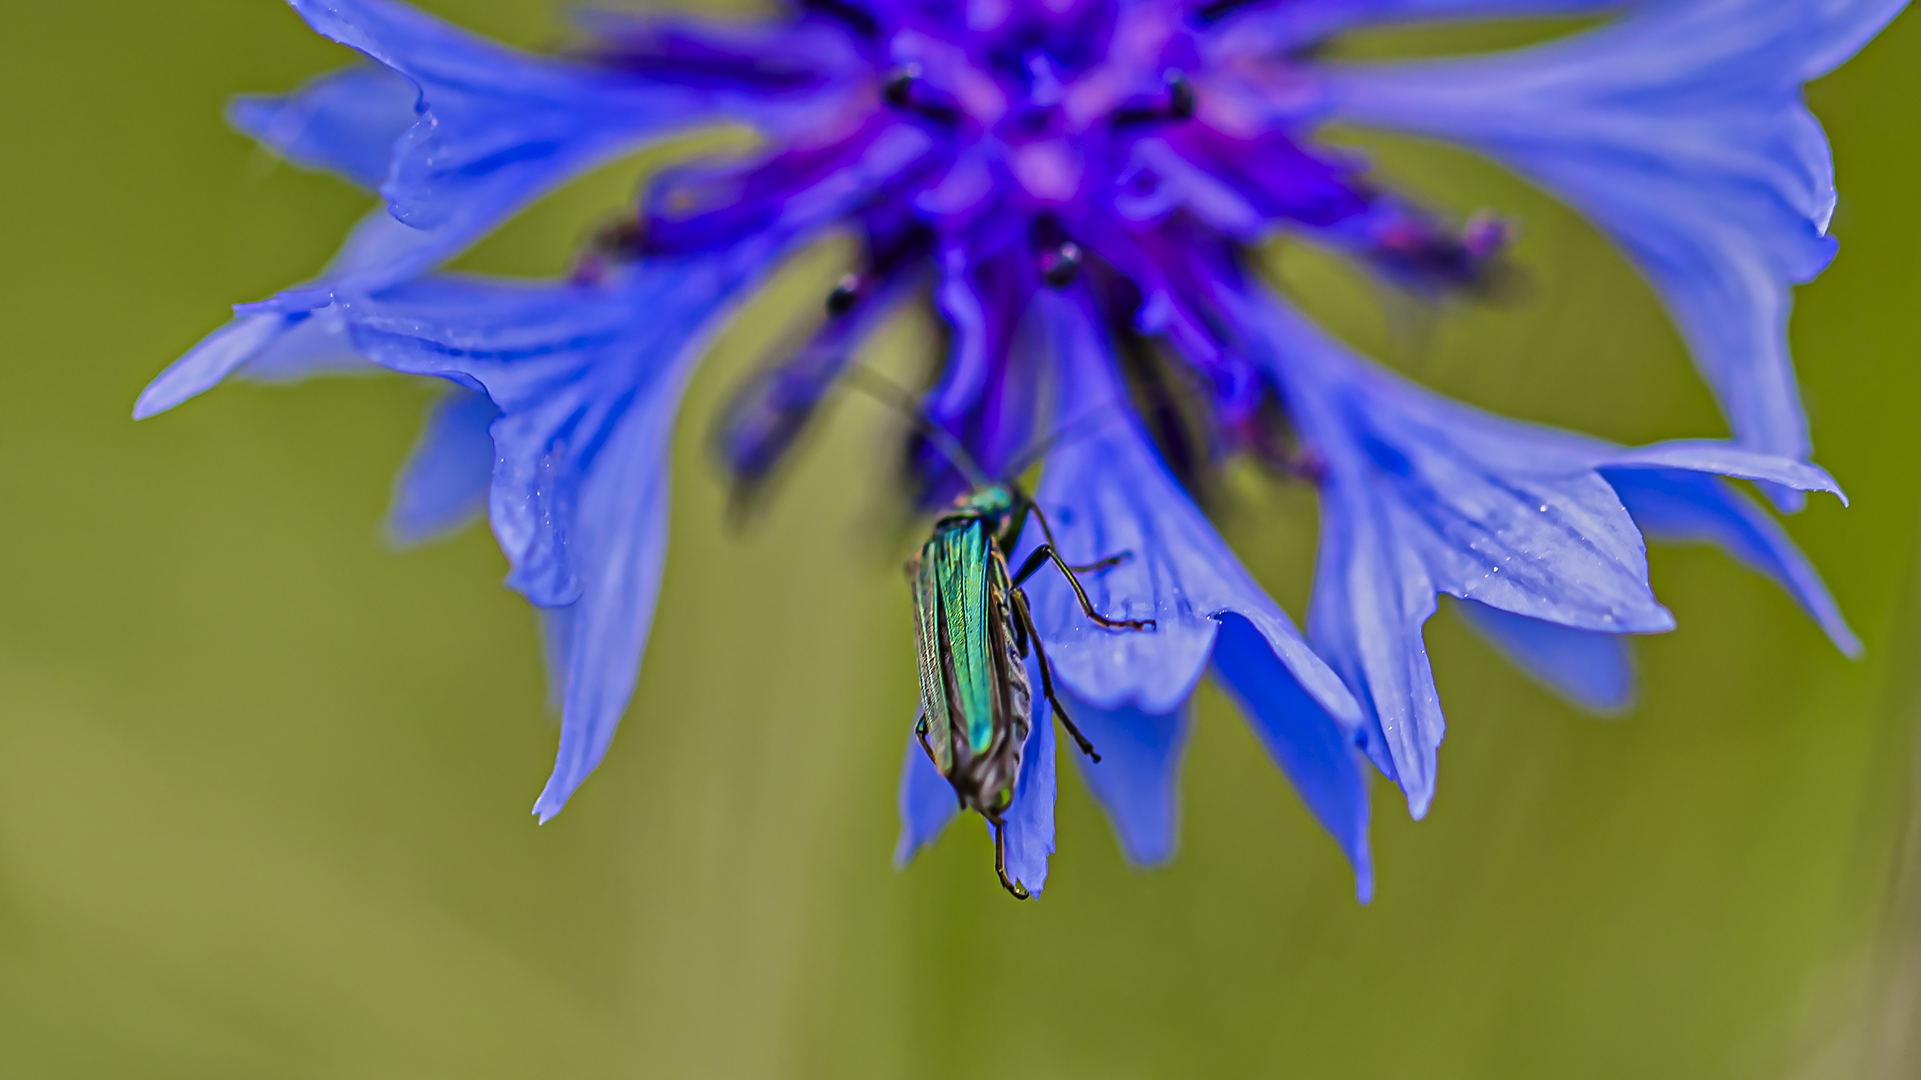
(1892, 1033)
(1878, 1034)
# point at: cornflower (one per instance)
(1078, 189)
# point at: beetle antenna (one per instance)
(888, 392)
(1039, 450)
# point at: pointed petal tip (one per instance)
(551, 802)
(1665, 624)
(150, 404)
(1611, 708)
(1420, 799)
(1149, 861)
(163, 395)
(397, 537)
(400, 535)
(1846, 640)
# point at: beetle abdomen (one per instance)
(975, 698)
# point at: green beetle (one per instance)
(974, 629)
(972, 623)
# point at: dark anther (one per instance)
(841, 300)
(854, 16)
(1180, 95)
(1177, 106)
(1218, 9)
(1062, 265)
(613, 245)
(899, 87)
(622, 240)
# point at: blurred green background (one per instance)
(264, 783)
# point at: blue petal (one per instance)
(927, 803)
(587, 379)
(494, 126)
(1680, 506)
(491, 130)
(207, 363)
(1268, 28)
(345, 122)
(1030, 821)
(1509, 514)
(556, 652)
(302, 332)
(444, 483)
(1592, 669)
(568, 366)
(1423, 496)
(1726, 459)
(316, 345)
(1680, 130)
(1136, 780)
(620, 544)
(1314, 749)
(1107, 492)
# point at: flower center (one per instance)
(1049, 90)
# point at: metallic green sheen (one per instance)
(936, 725)
(961, 548)
(993, 501)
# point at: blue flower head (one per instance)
(1076, 188)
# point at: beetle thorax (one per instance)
(991, 504)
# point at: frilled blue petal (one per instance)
(300, 332)
(1137, 779)
(1683, 507)
(1422, 496)
(1412, 507)
(1030, 820)
(1314, 749)
(1680, 130)
(587, 379)
(1596, 670)
(1107, 492)
(927, 803)
(444, 483)
(344, 122)
(1592, 669)
(463, 133)
(495, 126)
(566, 365)
(487, 131)
(619, 536)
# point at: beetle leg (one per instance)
(1047, 680)
(1107, 563)
(1046, 553)
(1047, 531)
(1014, 888)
